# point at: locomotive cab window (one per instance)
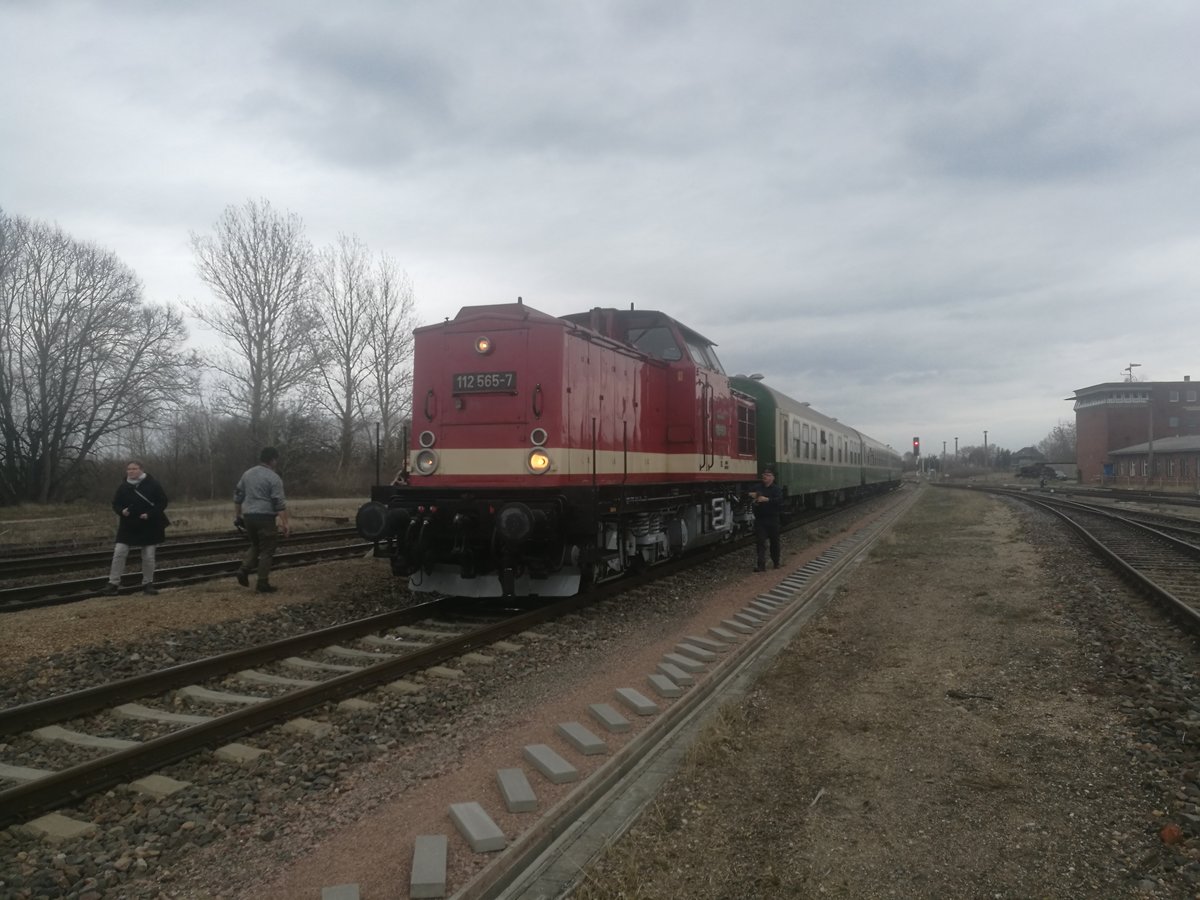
(656, 341)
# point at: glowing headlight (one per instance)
(483, 345)
(538, 461)
(427, 462)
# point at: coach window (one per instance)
(796, 449)
(824, 444)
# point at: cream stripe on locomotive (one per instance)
(510, 462)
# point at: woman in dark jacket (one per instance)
(140, 504)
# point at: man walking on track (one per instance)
(258, 500)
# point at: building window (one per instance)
(1174, 396)
(1145, 468)
(1170, 467)
(1191, 396)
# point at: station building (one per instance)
(1139, 433)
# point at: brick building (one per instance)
(1123, 414)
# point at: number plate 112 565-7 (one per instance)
(485, 383)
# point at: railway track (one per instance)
(1159, 554)
(308, 671)
(31, 596)
(37, 565)
(319, 670)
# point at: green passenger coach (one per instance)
(817, 460)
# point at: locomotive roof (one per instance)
(516, 310)
(612, 322)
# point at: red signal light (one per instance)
(916, 446)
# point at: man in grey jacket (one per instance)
(258, 499)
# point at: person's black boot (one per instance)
(266, 588)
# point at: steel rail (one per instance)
(27, 566)
(16, 599)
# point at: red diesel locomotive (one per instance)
(548, 452)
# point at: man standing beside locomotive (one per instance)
(258, 499)
(768, 504)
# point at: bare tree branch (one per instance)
(258, 264)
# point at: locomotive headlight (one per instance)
(426, 438)
(483, 345)
(538, 461)
(427, 462)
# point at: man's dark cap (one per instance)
(268, 455)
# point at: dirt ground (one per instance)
(940, 731)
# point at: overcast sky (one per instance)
(925, 218)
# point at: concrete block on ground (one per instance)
(724, 634)
(607, 715)
(581, 738)
(477, 827)
(297, 662)
(238, 754)
(55, 828)
(158, 786)
(781, 596)
(22, 774)
(253, 676)
(428, 867)
(402, 686)
(308, 727)
(546, 760)
(390, 644)
(477, 659)
(341, 892)
(444, 672)
(428, 635)
(735, 625)
(761, 609)
(764, 600)
(354, 704)
(676, 674)
(365, 656)
(684, 662)
(506, 647)
(637, 701)
(707, 643)
(516, 790)
(696, 652)
(137, 711)
(750, 619)
(665, 687)
(79, 739)
(198, 694)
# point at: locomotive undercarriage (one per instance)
(499, 544)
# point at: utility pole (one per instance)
(985, 453)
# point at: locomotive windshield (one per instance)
(656, 341)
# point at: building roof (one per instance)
(1183, 444)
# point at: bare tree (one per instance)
(390, 347)
(343, 293)
(1059, 444)
(259, 265)
(81, 358)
